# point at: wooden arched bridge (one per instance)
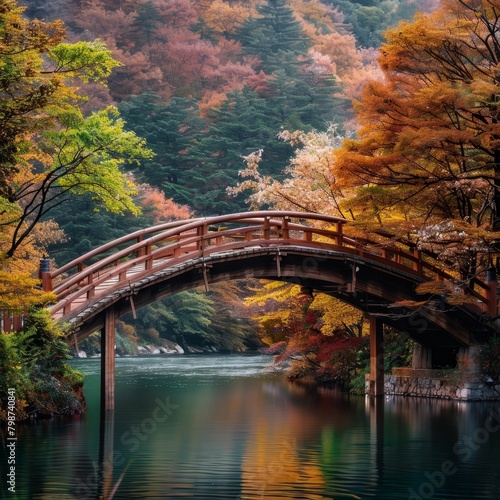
(308, 249)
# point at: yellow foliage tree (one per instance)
(225, 18)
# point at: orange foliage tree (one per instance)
(427, 159)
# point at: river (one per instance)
(226, 427)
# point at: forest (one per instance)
(117, 115)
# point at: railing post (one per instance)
(284, 228)
(140, 250)
(417, 265)
(267, 228)
(7, 323)
(91, 292)
(17, 322)
(339, 233)
(491, 291)
(149, 261)
(201, 231)
(45, 275)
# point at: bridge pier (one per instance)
(422, 357)
(376, 385)
(108, 361)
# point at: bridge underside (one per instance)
(366, 285)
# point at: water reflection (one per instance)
(214, 435)
(106, 454)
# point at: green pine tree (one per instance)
(172, 130)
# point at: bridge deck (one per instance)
(125, 262)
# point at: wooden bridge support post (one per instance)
(422, 357)
(376, 357)
(108, 361)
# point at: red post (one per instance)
(201, 232)
(91, 292)
(149, 262)
(7, 323)
(376, 357)
(417, 265)
(45, 275)
(491, 291)
(267, 228)
(284, 227)
(17, 322)
(339, 233)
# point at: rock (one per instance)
(82, 354)
(164, 350)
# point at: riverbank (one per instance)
(440, 384)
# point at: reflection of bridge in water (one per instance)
(308, 249)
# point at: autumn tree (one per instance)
(225, 18)
(315, 335)
(309, 182)
(324, 339)
(49, 148)
(24, 89)
(427, 160)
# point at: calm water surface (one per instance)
(223, 427)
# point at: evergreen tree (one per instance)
(183, 317)
(145, 24)
(273, 36)
(172, 131)
(75, 219)
(295, 100)
(243, 124)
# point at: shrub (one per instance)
(32, 363)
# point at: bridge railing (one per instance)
(154, 249)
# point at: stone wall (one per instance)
(444, 384)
